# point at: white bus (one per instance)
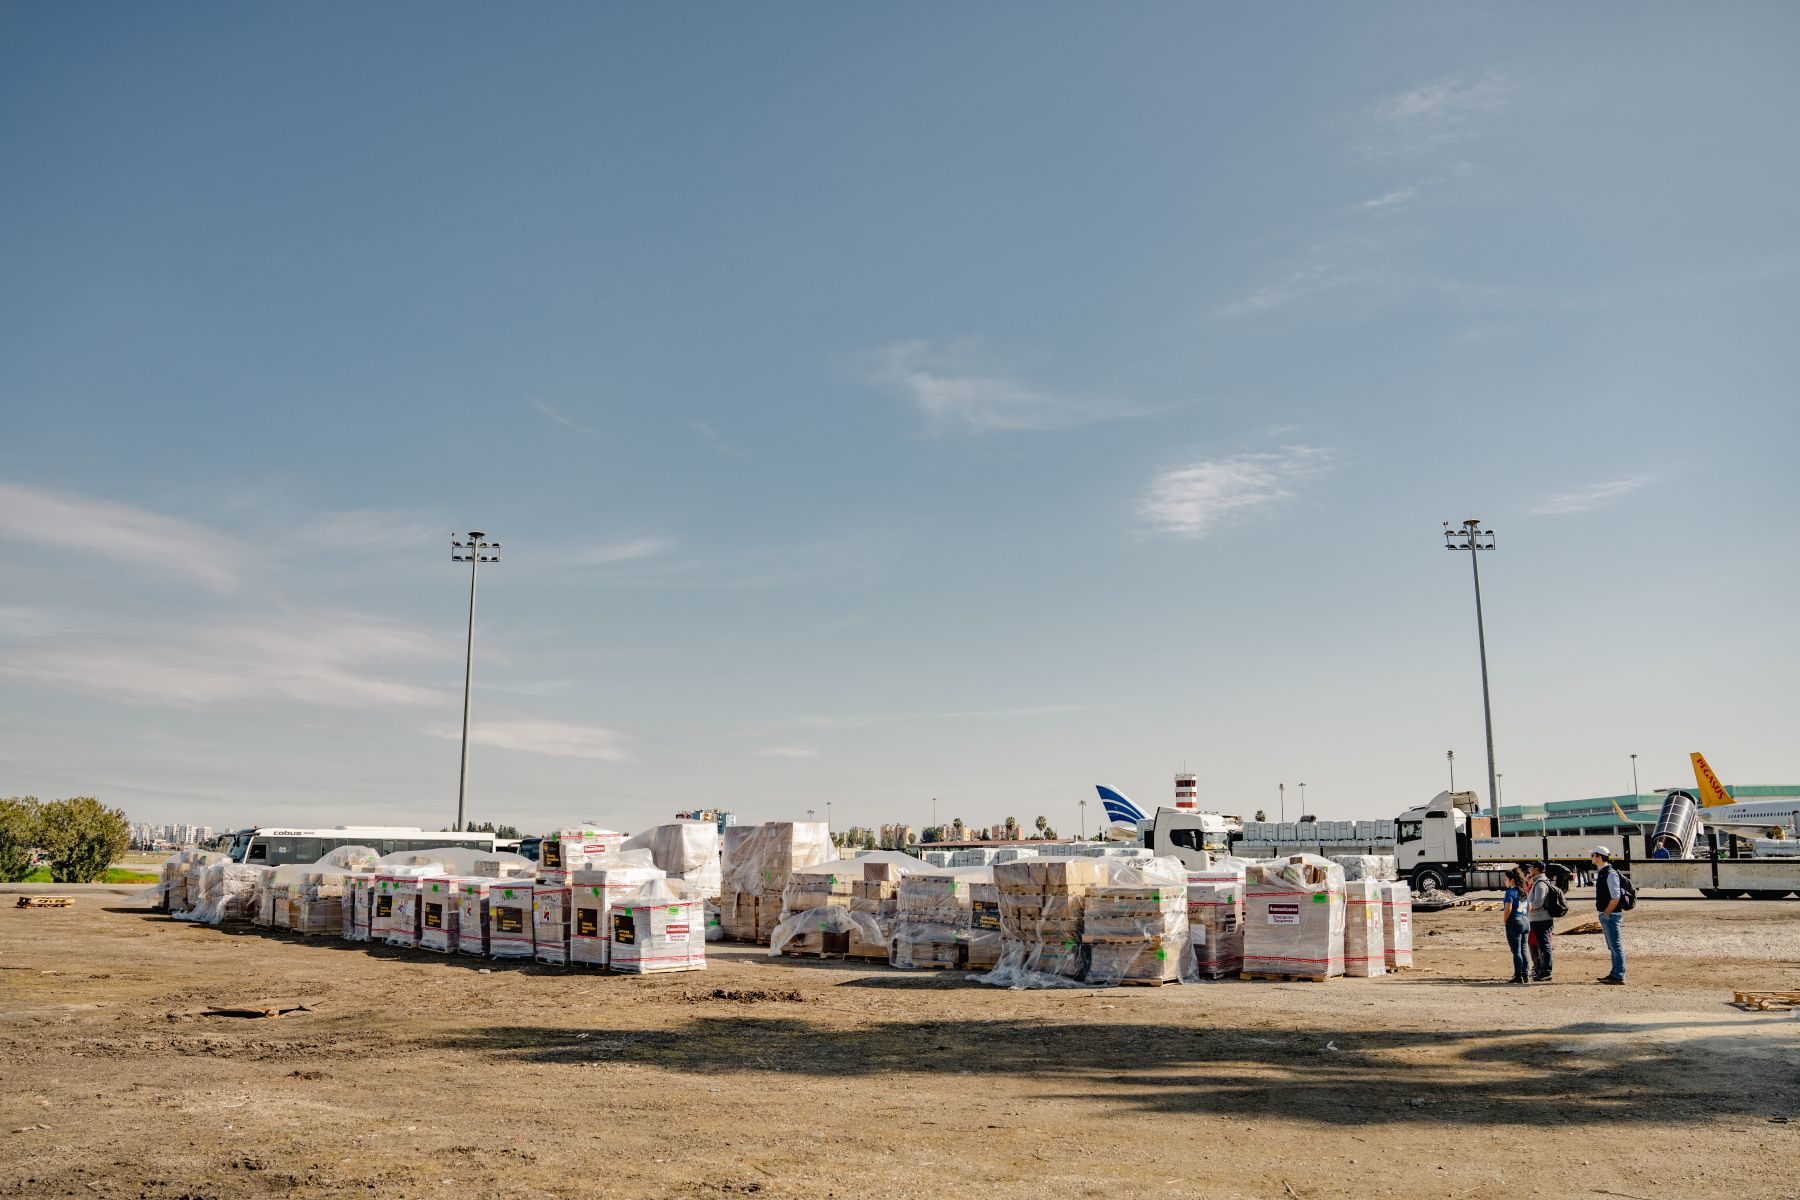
(274, 847)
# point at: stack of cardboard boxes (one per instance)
(511, 920)
(358, 891)
(1216, 926)
(593, 895)
(1294, 919)
(757, 862)
(315, 902)
(934, 916)
(877, 896)
(438, 923)
(472, 915)
(550, 916)
(568, 850)
(1396, 925)
(807, 892)
(1135, 934)
(1365, 951)
(656, 929)
(1041, 906)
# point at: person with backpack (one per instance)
(1544, 903)
(1613, 895)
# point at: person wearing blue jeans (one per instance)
(1512, 914)
(1609, 895)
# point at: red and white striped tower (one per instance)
(1187, 791)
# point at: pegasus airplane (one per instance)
(1747, 818)
(1119, 810)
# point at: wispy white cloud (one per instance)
(372, 529)
(551, 412)
(715, 439)
(338, 661)
(787, 752)
(1397, 198)
(1327, 266)
(1434, 115)
(1588, 498)
(120, 533)
(617, 552)
(1202, 497)
(534, 735)
(956, 392)
(874, 720)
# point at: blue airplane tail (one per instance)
(1119, 810)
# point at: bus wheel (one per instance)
(1765, 894)
(1428, 879)
(1715, 893)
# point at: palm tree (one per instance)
(1042, 825)
(957, 827)
(1012, 827)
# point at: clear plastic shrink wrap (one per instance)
(1396, 924)
(227, 893)
(1376, 867)
(656, 928)
(756, 864)
(550, 916)
(687, 852)
(1041, 902)
(359, 888)
(594, 891)
(1216, 917)
(934, 916)
(472, 914)
(568, 850)
(510, 919)
(1365, 952)
(1294, 918)
(1134, 924)
(438, 913)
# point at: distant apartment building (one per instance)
(719, 816)
(898, 836)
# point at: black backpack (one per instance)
(1555, 903)
(1627, 893)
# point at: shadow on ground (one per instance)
(1636, 1074)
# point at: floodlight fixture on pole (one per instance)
(1473, 538)
(1282, 793)
(1082, 804)
(1450, 757)
(1634, 783)
(472, 548)
(1303, 802)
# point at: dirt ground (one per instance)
(424, 1076)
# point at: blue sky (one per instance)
(886, 403)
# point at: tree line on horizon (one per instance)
(78, 838)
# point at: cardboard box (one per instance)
(404, 914)
(550, 913)
(511, 920)
(1047, 876)
(1365, 952)
(737, 915)
(1396, 925)
(1294, 918)
(438, 913)
(472, 915)
(1216, 927)
(593, 896)
(658, 937)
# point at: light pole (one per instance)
(1499, 791)
(1634, 784)
(1083, 805)
(474, 549)
(1283, 798)
(1450, 757)
(1473, 538)
(1303, 801)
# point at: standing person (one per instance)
(1609, 898)
(1512, 909)
(1542, 923)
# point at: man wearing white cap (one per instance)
(1609, 898)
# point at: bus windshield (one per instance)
(238, 845)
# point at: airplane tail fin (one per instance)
(1119, 810)
(1712, 792)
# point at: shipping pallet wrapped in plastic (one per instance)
(510, 924)
(595, 892)
(757, 861)
(472, 915)
(359, 890)
(227, 893)
(550, 915)
(173, 892)
(1041, 901)
(1216, 927)
(438, 913)
(1294, 919)
(823, 931)
(1137, 932)
(656, 929)
(1396, 924)
(1365, 952)
(879, 900)
(262, 904)
(1377, 867)
(278, 903)
(688, 854)
(934, 916)
(568, 850)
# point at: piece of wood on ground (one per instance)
(1584, 927)
(1763, 1001)
(259, 1008)
(45, 901)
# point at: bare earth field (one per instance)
(421, 1076)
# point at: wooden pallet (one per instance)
(1764, 1001)
(45, 901)
(1286, 978)
(1144, 982)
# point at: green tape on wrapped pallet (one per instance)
(1156, 897)
(674, 909)
(596, 891)
(1161, 955)
(1320, 897)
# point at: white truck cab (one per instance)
(1187, 834)
(1432, 843)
